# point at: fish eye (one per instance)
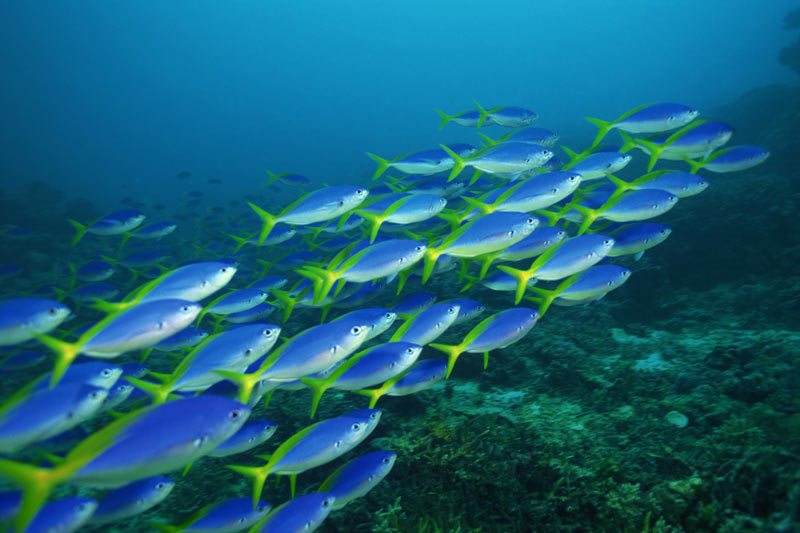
(52, 311)
(268, 333)
(531, 220)
(654, 206)
(248, 351)
(410, 351)
(671, 118)
(418, 248)
(385, 460)
(223, 270)
(451, 310)
(160, 485)
(260, 508)
(337, 444)
(185, 309)
(608, 242)
(356, 330)
(106, 372)
(511, 233)
(554, 190)
(326, 503)
(236, 413)
(82, 507)
(663, 232)
(95, 395)
(388, 316)
(341, 203)
(356, 426)
(373, 416)
(392, 364)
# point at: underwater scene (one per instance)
(393, 266)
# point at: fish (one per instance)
(379, 260)
(137, 328)
(540, 136)
(414, 304)
(64, 515)
(597, 165)
(367, 368)
(317, 206)
(45, 413)
(304, 513)
(232, 350)
(508, 116)
(483, 235)
(653, 118)
(589, 285)
(562, 260)
(634, 239)
(506, 158)
(253, 433)
(295, 180)
(142, 444)
(472, 118)
(357, 477)
(21, 319)
(312, 446)
(401, 209)
(94, 271)
(115, 223)
(733, 159)
(467, 309)
(421, 376)
(497, 331)
(236, 514)
(132, 499)
(422, 163)
(428, 325)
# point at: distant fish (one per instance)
(652, 118)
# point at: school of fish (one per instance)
(136, 365)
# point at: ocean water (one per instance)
(669, 404)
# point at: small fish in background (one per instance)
(183, 175)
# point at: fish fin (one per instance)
(186, 469)
(655, 151)
(240, 241)
(322, 279)
(318, 388)
(259, 476)
(61, 294)
(165, 528)
(292, 484)
(488, 259)
(445, 118)
(522, 277)
(485, 360)
(374, 221)
(36, 484)
(638, 255)
(544, 299)
(268, 222)
(402, 278)
(430, 257)
(157, 391)
(574, 157)
(373, 394)
(487, 140)
(105, 306)
(288, 302)
(272, 177)
(245, 382)
(483, 113)
(383, 165)
(621, 185)
(458, 162)
(628, 142)
(451, 216)
(64, 352)
(80, 231)
(475, 175)
(603, 127)
(484, 208)
(326, 310)
(453, 352)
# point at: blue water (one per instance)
(106, 99)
